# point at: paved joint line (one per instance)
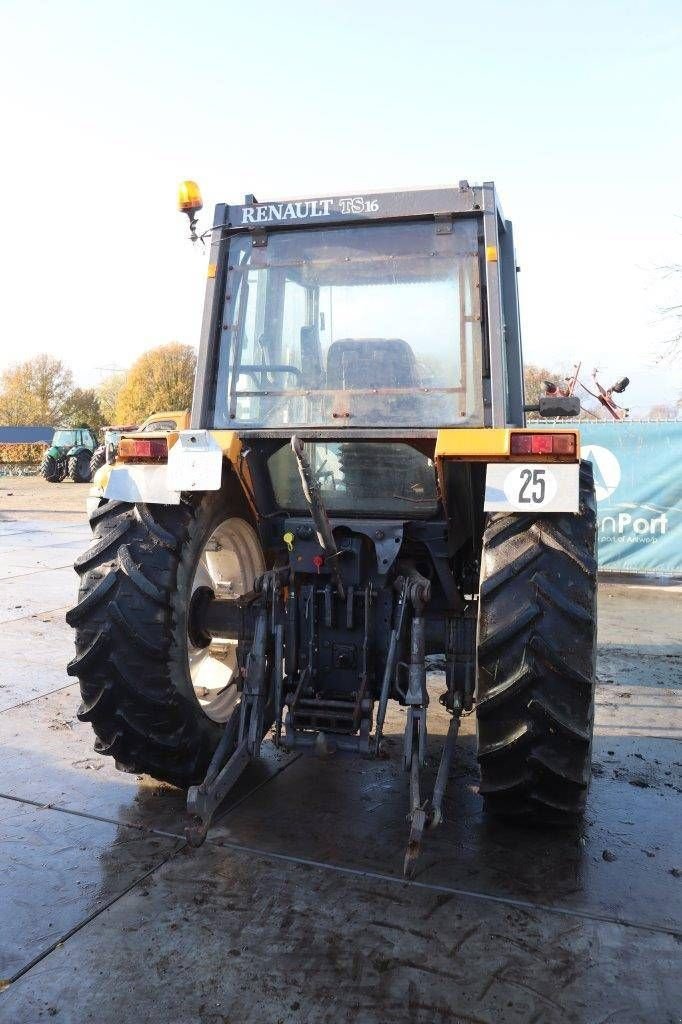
(138, 826)
(89, 816)
(5, 983)
(38, 696)
(507, 901)
(32, 572)
(33, 615)
(255, 789)
(91, 917)
(56, 527)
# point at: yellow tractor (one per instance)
(357, 489)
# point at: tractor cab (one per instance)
(365, 326)
(67, 440)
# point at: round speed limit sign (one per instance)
(530, 487)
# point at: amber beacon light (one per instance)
(189, 197)
(190, 202)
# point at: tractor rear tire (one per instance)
(536, 661)
(49, 470)
(132, 655)
(97, 460)
(79, 468)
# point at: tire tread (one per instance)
(536, 660)
(131, 687)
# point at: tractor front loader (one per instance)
(357, 489)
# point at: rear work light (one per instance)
(543, 444)
(143, 449)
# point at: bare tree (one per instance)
(672, 346)
(662, 411)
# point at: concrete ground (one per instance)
(295, 909)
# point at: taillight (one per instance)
(564, 444)
(543, 444)
(143, 449)
(520, 444)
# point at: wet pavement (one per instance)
(295, 909)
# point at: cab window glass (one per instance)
(377, 325)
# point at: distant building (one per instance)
(25, 435)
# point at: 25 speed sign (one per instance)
(532, 487)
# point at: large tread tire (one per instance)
(130, 627)
(536, 660)
(99, 457)
(79, 468)
(49, 470)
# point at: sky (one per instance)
(573, 110)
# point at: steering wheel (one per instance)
(254, 369)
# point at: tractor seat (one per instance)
(370, 363)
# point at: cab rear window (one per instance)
(359, 478)
(160, 425)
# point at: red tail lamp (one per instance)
(543, 444)
(143, 449)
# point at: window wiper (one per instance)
(415, 501)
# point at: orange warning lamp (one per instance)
(190, 202)
(189, 198)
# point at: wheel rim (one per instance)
(230, 560)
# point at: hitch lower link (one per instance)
(261, 703)
(423, 813)
(245, 726)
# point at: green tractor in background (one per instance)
(69, 455)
